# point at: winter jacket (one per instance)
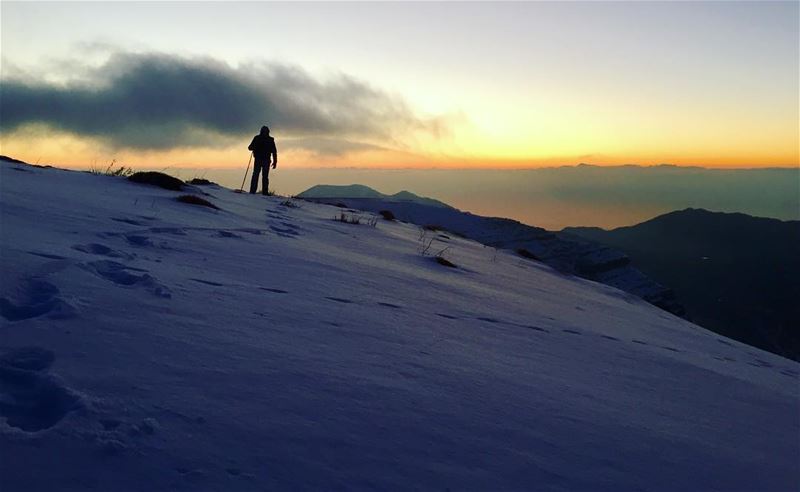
(262, 146)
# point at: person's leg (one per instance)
(265, 180)
(254, 181)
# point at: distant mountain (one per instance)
(361, 191)
(736, 274)
(570, 255)
(341, 191)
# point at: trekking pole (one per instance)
(241, 189)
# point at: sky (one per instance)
(402, 85)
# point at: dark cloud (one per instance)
(328, 146)
(157, 101)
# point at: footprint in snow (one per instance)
(147, 427)
(671, 349)
(120, 275)
(790, 373)
(640, 342)
(31, 399)
(35, 297)
(100, 250)
(574, 332)
(609, 337)
(389, 305)
(446, 316)
(284, 231)
(228, 234)
(136, 240)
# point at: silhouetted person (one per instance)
(262, 146)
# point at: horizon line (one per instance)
(444, 168)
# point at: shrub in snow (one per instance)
(110, 171)
(290, 204)
(527, 254)
(387, 214)
(201, 182)
(444, 261)
(425, 242)
(157, 179)
(196, 200)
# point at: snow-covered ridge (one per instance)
(568, 254)
(149, 344)
(331, 192)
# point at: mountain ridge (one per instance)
(362, 191)
(736, 274)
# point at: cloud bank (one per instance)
(158, 101)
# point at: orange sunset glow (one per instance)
(673, 90)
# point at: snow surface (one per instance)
(566, 253)
(150, 344)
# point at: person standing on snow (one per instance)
(263, 146)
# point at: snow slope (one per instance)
(566, 253)
(149, 344)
